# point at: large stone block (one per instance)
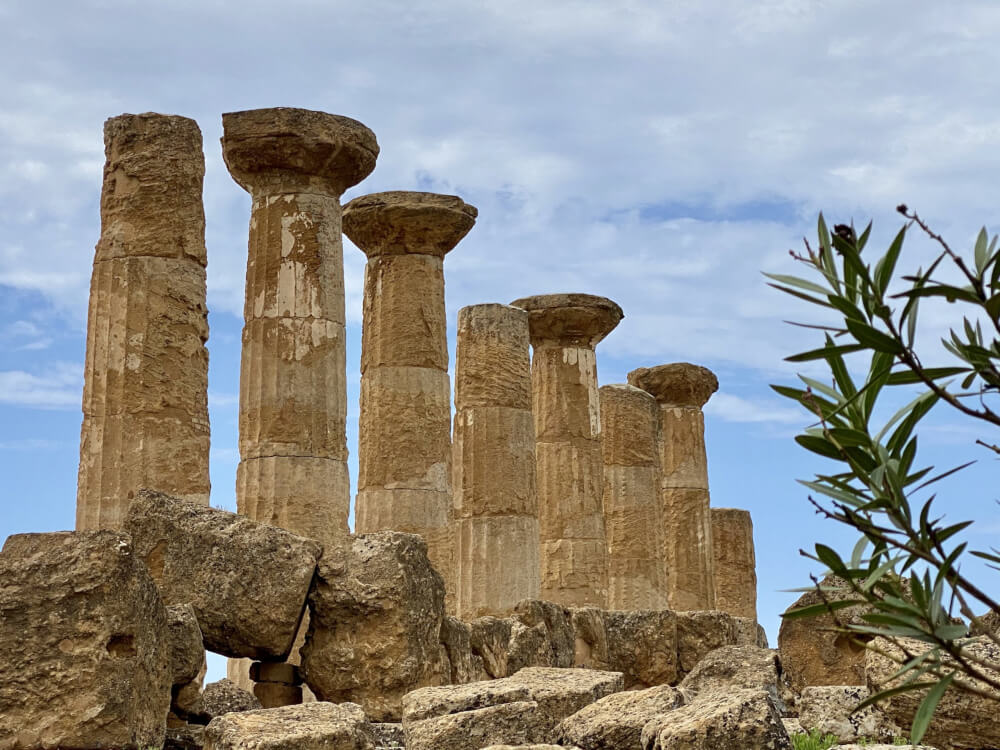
(187, 650)
(615, 722)
(247, 581)
(310, 726)
(642, 645)
(829, 709)
(744, 719)
(518, 723)
(85, 643)
(738, 667)
(376, 610)
(700, 632)
(487, 583)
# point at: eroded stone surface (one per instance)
(311, 726)
(642, 645)
(85, 643)
(738, 667)
(830, 709)
(247, 581)
(615, 722)
(187, 651)
(700, 632)
(518, 722)
(735, 562)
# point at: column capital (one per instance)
(570, 319)
(401, 222)
(287, 150)
(676, 384)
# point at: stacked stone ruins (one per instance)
(541, 565)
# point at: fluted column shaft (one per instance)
(565, 328)
(495, 499)
(735, 562)
(145, 397)
(681, 390)
(632, 512)
(404, 433)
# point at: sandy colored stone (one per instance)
(564, 330)
(962, 721)
(220, 698)
(376, 609)
(520, 722)
(830, 709)
(557, 622)
(700, 632)
(744, 719)
(735, 563)
(247, 581)
(493, 363)
(187, 737)
(311, 726)
(749, 632)
(187, 652)
(277, 694)
(145, 399)
(743, 667)
(456, 639)
(184, 699)
(85, 643)
(497, 563)
(489, 638)
(811, 653)
(677, 384)
(615, 722)
(429, 702)
(527, 747)
(631, 498)
(388, 736)
(642, 645)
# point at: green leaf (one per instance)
(872, 338)
(885, 267)
(922, 719)
(982, 251)
(825, 352)
(822, 608)
(798, 283)
(908, 377)
(829, 557)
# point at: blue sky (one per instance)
(660, 153)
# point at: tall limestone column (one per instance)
(682, 390)
(495, 500)
(145, 393)
(632, 514)
(295, 163)
(735, 562)
(565, 328)
(404, 437)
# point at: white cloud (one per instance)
(737, 409)
(58, 388)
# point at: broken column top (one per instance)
(676, 384)
(400, 222)
(281, 150)
(574, 319)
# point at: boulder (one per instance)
(961, 720)
(187, 652)
(830, 709)
(741, 667)
(465, 666)
(429, 702)
(189, 737)
(555, 646)
(85, 643)
(699, 632)
(247, 581)
(221, 698)
(309, 726)
(519, 722)
(388, 736)
(185, 698)
(489, 638)
(615, 722)
(750, 633)
(376, 609)
(641, 644)
(744, 719)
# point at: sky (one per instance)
(662, 153)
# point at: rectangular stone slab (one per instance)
(247, 581)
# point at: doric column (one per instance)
(632, 515)
(145, 393)
(495, 501)
(565, 328)
(295, 164)
(735, 562)
(682, 390)
(404, 436)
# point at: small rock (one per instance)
(388, 736)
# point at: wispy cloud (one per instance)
(737, 409)
(57, 388)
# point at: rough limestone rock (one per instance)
(750, 633)
(741, 667)
(744, 719)
(830, 709)
(220, 698)
(456, 638)
(615, 722)
(188, 737)
(961, 720)
(376, 610)
(520, 722)
(699, 632)
(489, 638)
(187, 652)
(529, 747)
(988, 623)
(309, 726)
(426, 703)
(643, 647)
(85, 643)
(247, 581)
(557, 622)
(882, 747)
(813, 655)
(388, 736)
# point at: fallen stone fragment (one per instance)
(699, 632)
(220, 698)
(247, 581)
(187, 651)
(310, 726)
(615, 722)
(189, 737)
(85, 644)
(741, 667)
(530, 747)
(961, 720)
(429, 702)
(520, 722)
(558, 624)
(185, 699)
(388, 736)
(465, 665)
(830, 709)
(744, 719)
(642, 646)
(376, 610)
(750, 633)
(489, 638)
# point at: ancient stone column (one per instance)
(681, 390)
(145, 393)
(295, 164)
(565, 328)
(495, 500)
(632, 514)
(734, 561)
(404, 437)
